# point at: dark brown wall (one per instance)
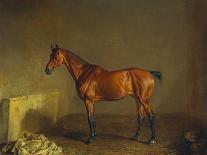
(154, 35)
(198, 47)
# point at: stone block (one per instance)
(33, 113)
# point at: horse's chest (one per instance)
(86, 88)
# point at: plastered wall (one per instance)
(168, 36)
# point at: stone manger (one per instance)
(32, 113)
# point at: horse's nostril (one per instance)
(47, 70)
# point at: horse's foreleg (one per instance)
(94, 126)
(140, 114)
(91, 121)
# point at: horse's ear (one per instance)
(56, 46)
(52, 48)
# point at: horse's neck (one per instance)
(74, 64)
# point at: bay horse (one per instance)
(94, 84)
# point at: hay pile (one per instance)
(32, 144)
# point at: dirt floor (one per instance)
(114, 133)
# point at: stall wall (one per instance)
(167, 36)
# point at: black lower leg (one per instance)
(152, 127)
(92, 128)
(140, 121)
(92, 131)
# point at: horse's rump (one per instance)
(143, 83)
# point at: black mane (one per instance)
(70, 52)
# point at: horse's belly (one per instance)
(115, 87)
(115, 93)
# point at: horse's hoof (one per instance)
(135, 137)
(90, 140)
(152, 141)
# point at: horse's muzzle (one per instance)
(48, 70)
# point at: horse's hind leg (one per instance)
(140, 114)
(148, 109)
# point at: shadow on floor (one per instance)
(114, 134)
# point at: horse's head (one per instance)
(56, 59)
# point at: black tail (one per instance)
(156, 74)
